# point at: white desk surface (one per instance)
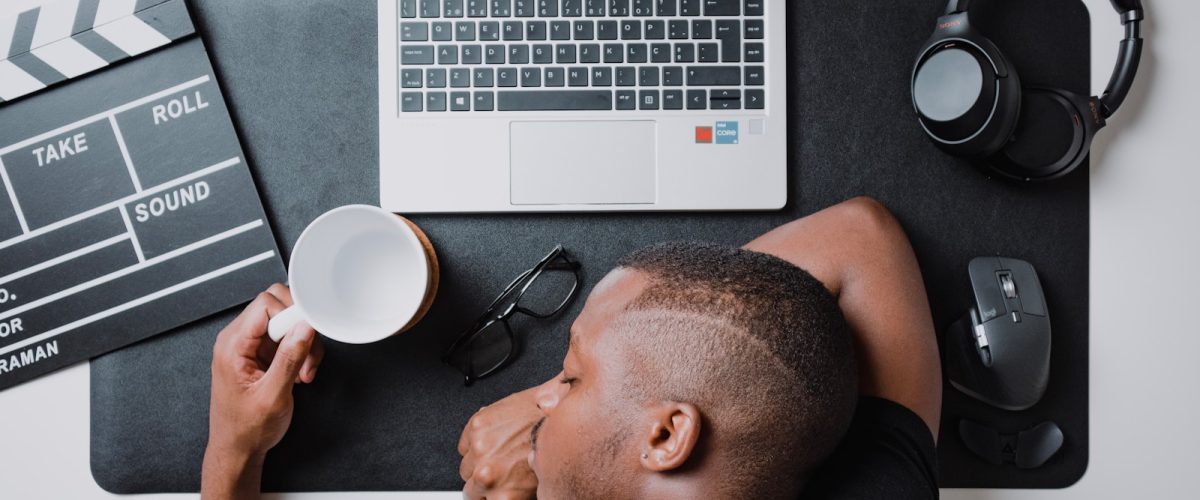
(1145, 275)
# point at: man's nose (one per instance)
(549, 393)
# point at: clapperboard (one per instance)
(127, 206)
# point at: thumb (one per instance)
(289, 358)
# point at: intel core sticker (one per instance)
(727, 132)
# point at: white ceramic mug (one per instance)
(359, 274)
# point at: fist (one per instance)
(495, 449)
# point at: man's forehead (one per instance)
(608, 298)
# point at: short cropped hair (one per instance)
(758, 344)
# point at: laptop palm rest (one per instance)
(574, 163)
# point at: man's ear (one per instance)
(674, 432)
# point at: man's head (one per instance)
(697, 363)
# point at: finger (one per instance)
(308, 372)
(281, 292)
(289, 358)
(464, 439)
(466, 468)
(472, 491)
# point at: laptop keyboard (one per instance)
(581, 55)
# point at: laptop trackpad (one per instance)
(598, 162)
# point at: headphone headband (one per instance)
(1128, 58)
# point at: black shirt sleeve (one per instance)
(888, 453)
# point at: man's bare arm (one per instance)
(861, 254)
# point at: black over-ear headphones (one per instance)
(970, 101)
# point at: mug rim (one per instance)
(410, 238)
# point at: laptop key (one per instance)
(477, 8)
(672, 99)
(685, 52)
(583, 30)
(713, 75)
(696, 99)
(472, 54)
(643, 8)
(460, 101)
(648, 76)
(453, 8)
(435, 78)
(411, 101)
(560, 30)
(594, 8)
(754, 52)
(548, 8)
(618, 8)
(512, 30)
(729, 32)
(677, 30)
(755, 99)
(408, 8)
(460, 77)
(416, 54)
(606, 30)
(601, 77)
(556, 77)
(725, 103)
(493, 54)
(431, 8)
(531, 77)
(631, 29)
(410, 78)
(656, 30)
(572, 8)
(626, 76)
(702, 29)
(660, 53)
(754, 29)
(447, 54)
(709, 52)
(614, 53)
(501, 8)
(672, 76)
(483, 77)
(564, 54)
(636, 53)
(754, 7)
(414, 31)
(754, 75)
(648, 99)
(589, 53)
(442, 32)
(535, 30)
(626, 99)
(435, 101)
(689, 7)
(518, 54)
(524, 8)
(464, 31)
(483, 100)
(722, 7)
(577, 77)
(506, 77)
(543, 54)
(489, 31)
(554, 100)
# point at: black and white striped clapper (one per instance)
(64, 39)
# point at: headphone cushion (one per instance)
(1051, 136)
(964, 106)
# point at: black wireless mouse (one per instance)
(999, 352)
(1027, 449)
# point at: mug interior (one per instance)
(359, 273)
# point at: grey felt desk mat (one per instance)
(300, 78)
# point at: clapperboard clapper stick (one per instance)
(127, 206)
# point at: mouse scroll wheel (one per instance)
(1010, 288)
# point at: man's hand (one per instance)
(251, 405)
(495, 449)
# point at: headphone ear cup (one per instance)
(1052, 136)
(962, 103)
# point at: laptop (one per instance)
(582, 105)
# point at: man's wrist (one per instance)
(234, 454)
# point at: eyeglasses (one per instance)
(541, 292)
